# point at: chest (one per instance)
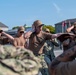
(20, 41)
(37, 40)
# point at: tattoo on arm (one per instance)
(64, 57)
(54, 63)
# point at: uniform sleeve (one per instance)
(48, 36)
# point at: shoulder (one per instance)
(16, 39)
(27, 34)
(32, 34)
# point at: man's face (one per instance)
(20, 32)
(38, 28)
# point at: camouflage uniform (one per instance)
(44, 67)
(18, 61)
(49, 50)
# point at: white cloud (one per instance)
(57, 7)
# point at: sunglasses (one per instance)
(21, 32)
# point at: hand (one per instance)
(1, 31)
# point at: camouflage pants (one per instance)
(44, 69)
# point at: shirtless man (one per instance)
(5, 38)
(19, 40)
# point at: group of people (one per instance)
(65, 63)
(41, 43)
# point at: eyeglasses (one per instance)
(21, 32)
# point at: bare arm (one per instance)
(8, 36)
(66, 56)
(61, 34)
(27, 34)
(69, 29)
(56, 35)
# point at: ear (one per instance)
(35, 28)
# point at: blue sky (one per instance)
(20, 12)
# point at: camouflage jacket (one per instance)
(17, 61)
(49, 48)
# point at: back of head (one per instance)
(17, 61)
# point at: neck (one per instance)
(38, 32)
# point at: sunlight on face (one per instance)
(39, 28)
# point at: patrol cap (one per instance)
(37, 23)
(21, 29)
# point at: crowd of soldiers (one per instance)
(32, 52)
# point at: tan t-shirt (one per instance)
(36, 42)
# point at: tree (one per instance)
(50, 27)
(16, 27)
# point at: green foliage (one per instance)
(16, 27)
(50, 27)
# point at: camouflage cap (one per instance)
(18, 61)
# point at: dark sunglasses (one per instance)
(21, 32)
